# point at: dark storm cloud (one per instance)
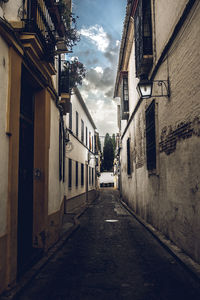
(99, 80)
(111, 52)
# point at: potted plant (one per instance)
(70, 23)
(73, 74)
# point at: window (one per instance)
(82, 131)
(89, 175)
(92, 176)
(124, 95)
(151, 137)
(69, 173)
(76, 123)
(128, 157)
(92, 144)
(86, 136)
(82, 174)
(90, 141)
(95, 144)
(70, 118)
(143, 37)
(76, 174)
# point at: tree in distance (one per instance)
(108, 153)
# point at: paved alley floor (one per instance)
(110, 257)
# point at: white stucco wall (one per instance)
(56, 187)
(174, 9)
(79, 151)
(76, 106)
(12, 10)
(4, 149)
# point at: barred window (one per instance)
(82, 131)
(125, 94)
(76, 173)
(76, 123)
(151, 137)
(89, 175)
(92, 176)
(69, 173)
(86, 136)
(128, 157)
(82, 174)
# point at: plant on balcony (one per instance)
(70, 22)
(75, 72)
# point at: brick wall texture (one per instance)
(169, 197)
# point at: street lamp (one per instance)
(145, 88)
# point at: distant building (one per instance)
(159, 153)
(81, 156)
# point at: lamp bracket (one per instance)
(161, 87)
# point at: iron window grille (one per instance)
(82, 174)
(69, 173)
(82, 131)
(92, 176)
(128, 157)
(76, 173)
(151, 137)
(89, 175)
(86, 136)
(125, 96)
(76, 123)
(64, 82)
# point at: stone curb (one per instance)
(176, 252)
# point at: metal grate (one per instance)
(128, 157)
(151, 137)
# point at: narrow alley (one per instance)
(111, 256)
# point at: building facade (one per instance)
(81, 156)
(32, 133)
(159, 149)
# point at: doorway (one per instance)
(25, 183)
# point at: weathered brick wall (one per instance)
(169, 198)
(184, 130)
(179, 141)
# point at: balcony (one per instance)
(143, 38)
(42, 18)
(64, 82)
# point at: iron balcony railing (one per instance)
(42, 17)
(143, 37)
(64, 82)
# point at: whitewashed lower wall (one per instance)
(56, 187)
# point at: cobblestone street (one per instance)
(111, 256)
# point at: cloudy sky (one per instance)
(100, 24)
